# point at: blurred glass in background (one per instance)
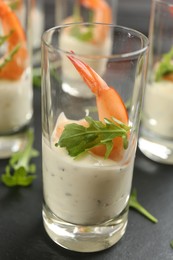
(103, 11)
(16, 92)
(156, 135)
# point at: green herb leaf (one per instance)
(14, 5)
(165, 66)
(78, 139)
(83, 35)
(4, 38)
(171, 243)
(133, 203)
(20, 172)
(86, 33)
(10, 55)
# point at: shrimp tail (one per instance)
(90, 77)
(109, 102)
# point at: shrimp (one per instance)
(14, 68)
(171, 9)
(62, 121)
(102, 14)
(102, 11)
(109, 104)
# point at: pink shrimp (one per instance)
(14, 68)
(102, 14)
(109, 104)
(171, 9)
(102, 11)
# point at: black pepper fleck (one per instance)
(98, 202)
(68, 194)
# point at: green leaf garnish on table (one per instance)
(36, 77)
(171, 244)
(78, 139)
(165, 66)
(133, 203)
(19, 171)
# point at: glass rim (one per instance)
(121, 55)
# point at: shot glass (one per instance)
(87, 183)
(156, 133)
(16, 92)
(72, 11)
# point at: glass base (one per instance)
(12, 143)
(155, 147)
(85, 238)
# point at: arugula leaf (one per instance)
(14, 5)
(165, 66)
(85, 35)
(133, 203)
(20, 172)
(4, 38)
(78, 139)
(10, 55)
(171, 243)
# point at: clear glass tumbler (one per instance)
(86, 190)
(156, 133)
(70, 11)
(16, 92)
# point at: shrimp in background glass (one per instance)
(16, 92)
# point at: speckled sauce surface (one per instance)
(158, 108)
(84, 191)
(16, 99)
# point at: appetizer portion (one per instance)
(87, 40)
(15, 73)
(86, 177)
(158, 105)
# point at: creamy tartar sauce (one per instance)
(158, 108)
(15, 103)
(84, 191)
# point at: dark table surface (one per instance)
(22, 235)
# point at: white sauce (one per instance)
(158, 108)
(15, 103)
(37, 23)
(85, 191)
